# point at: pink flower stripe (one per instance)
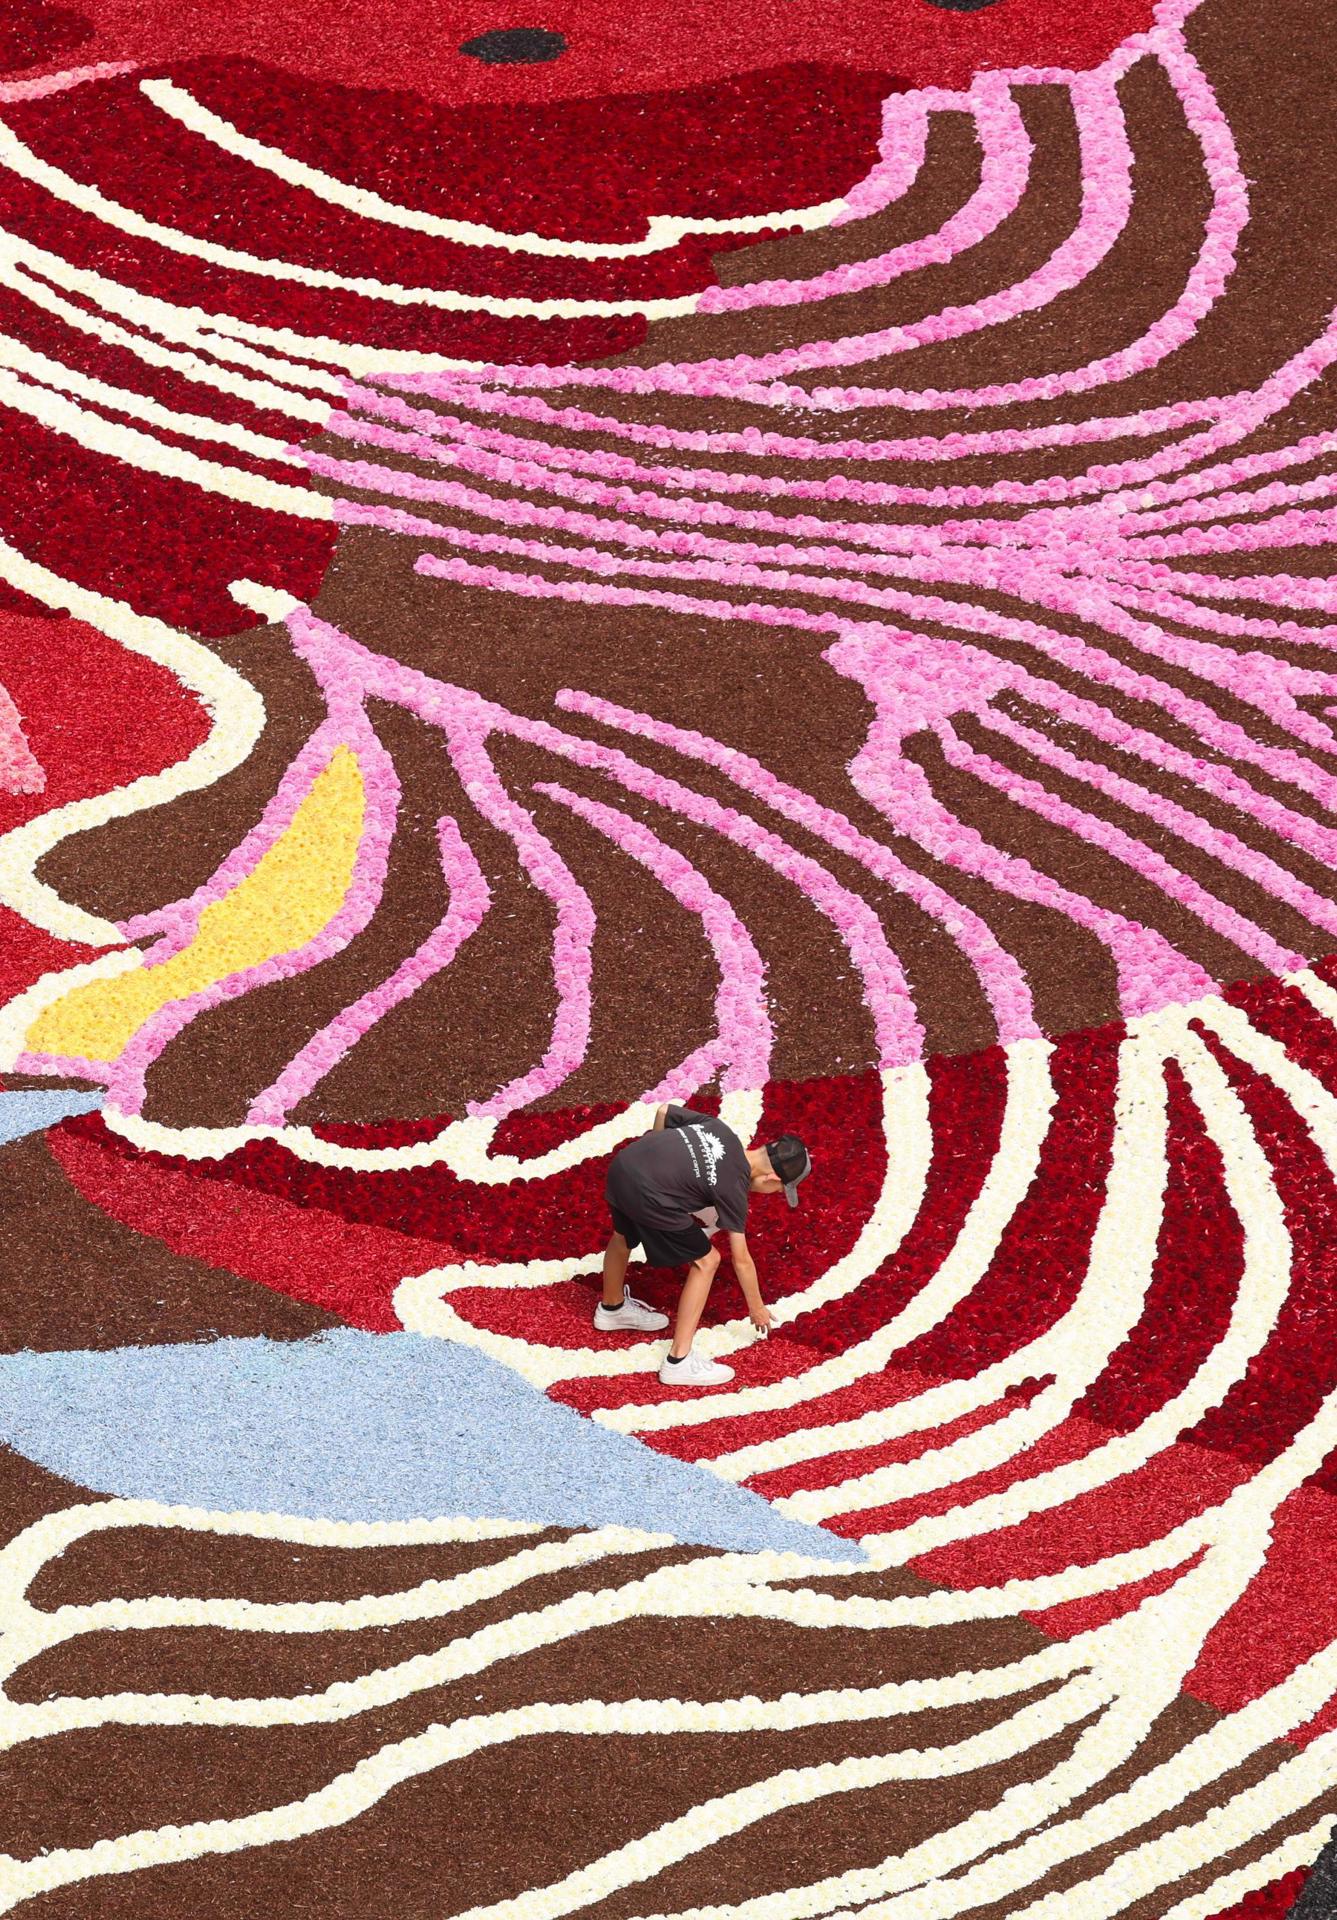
(385, 398)
(1222, 845)
(1150, 971)
(44, 85)
(1006, 152)
(1232, 419)
(1311, 834)
(1206, 282)
(125, 1081)
(1253, 681)
(1173, 606)
(745, 1034)
(1142, 859)
(345, 724)
(900, 158)
(470, 897)
(1001, 977)
(20, 770)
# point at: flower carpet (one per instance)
(781, 559)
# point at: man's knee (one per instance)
(707, 1262)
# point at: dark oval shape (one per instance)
(521, 46)
(963, 6)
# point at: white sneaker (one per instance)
(694, 1370)
(632, 1316)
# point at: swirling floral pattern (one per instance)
(808, 592)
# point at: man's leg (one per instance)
(616, 1255)
(692, 1305)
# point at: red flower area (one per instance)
(73, 689)
(608, 49)
(622, 114)
(344, 1240)
(1268, 1903)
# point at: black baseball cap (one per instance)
(789, 1158)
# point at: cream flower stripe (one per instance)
(352, 1792)
(128, 444)
(26, 364)
(1029, 1103)
(265, 394)
(1259, 1299)
(235, 710)
(422, 1305)
(714, 1820)
(1108, 1307)
(707, 1586)
(21, 160)
(663, 230)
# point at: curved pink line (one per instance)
(1006, 151)
(1173, 606)
(993, 441)
(1150, 971)
(1133, 853)
(469, 900)
(1192, 827)
(50, 83)
(1001, 978)
(125, 1084)
(740, 1001)
(901, 150)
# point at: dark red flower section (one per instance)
(612, 50)
(344, 1240)
(130, 507)
(96, 715)
(33, 34)
(165, 547)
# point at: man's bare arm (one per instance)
(745, 1268)
(661, 1115)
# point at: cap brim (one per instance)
(791, 1193)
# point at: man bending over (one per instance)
(689, 1177)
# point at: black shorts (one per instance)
(662, 1249)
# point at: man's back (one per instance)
(666, 1178)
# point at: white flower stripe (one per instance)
(663, 230)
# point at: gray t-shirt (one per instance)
(694, 1169)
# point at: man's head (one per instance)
(780, 1166)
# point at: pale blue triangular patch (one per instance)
(359, 1426)
(31, 1109)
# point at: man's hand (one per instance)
(744, 1266)
(661, 1115)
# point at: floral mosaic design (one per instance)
(783, 563)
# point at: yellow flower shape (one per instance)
(293, 891)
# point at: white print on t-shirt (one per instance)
(712, 1151)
